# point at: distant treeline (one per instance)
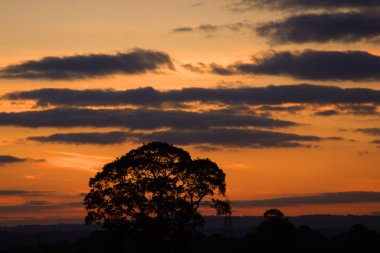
(274, 234)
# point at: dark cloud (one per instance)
(326, 27)
(369, 131)
(6, 159)
(109, 138)
(361, 110)
(325, 198)
(335, 138)
(353, 109)
(137, 119)
(241, 138)
(89, 66)
(269, 95)
(312, 65)
(206, 139)
(24, 193)
(50, 220)
(327, 113)
(305, 4)
(69, 97)
(199, 68)
(376, 142)
(211, 29)
(220, 70)
(288, 109)
(37, 206)
(208, 148)
(207, 28)
(183, 29)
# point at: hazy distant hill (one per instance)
(329, 225)
(33, 235)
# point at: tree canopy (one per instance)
(156, 185)
(273, 214)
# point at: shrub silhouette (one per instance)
(153, 194)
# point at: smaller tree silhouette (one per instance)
(154, 193)
(276, 233)
(358, 239)
(273, 214)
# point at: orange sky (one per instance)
(31, 30)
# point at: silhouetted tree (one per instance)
(358, 239)
(274, 234)
(311, 241)
(273, 214)
(154, 193)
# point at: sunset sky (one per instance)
(283, 95)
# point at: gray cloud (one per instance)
(207, 139)
(199, 68)
(211, 29)
(89, 66)
(327, 113)
(137, 119)
(369, 131)
(69, 97)
(305, 4)
(230, 138)
(37, 206)
(50, 220)
(6, 159)
(280, 108)
(24, 193)
(269, 95)
(311, 65)
(183, 29)
(220, 70)
(109, 138)
(361, 110)
(326, 27)
(353, 109)
(325, 198)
